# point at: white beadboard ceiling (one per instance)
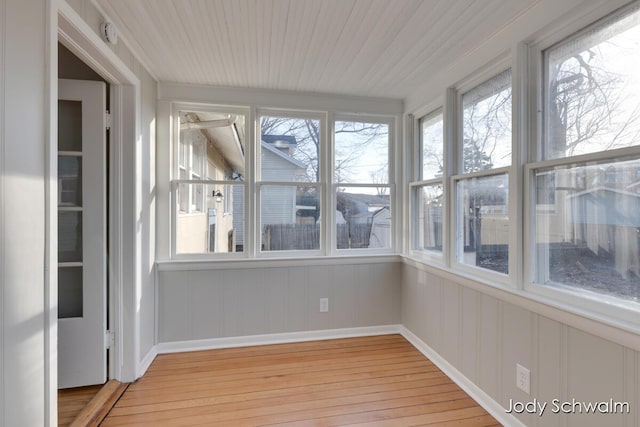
(375, 48)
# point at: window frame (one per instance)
(418, 183)
(457, 175)
(175, 167)
(390, 121)
(596, 305)
(258, 183)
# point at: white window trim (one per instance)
(322, 117)
(417, 181)
(252, 209)
(610, 317)
(436, 257)
(174, 202)
(456, 264)
(455, 157)
(598, 304)
(393, 155)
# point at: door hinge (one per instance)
(109, 339)
(107, 119)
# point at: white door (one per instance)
(82, 245)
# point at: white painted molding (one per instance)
(483, 399)
(283, 338)
(144, 364)
(182, 92)
(3, 38)
(125, 36)
(228, 264)
(80, 39)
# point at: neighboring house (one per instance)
(360, 212)
(360, 208)
(597, 216)
(381, 229)
(278, 203)
(211, 148)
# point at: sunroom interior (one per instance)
(463, 173)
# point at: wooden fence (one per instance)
(282, 237)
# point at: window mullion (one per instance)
(521, 134)
(452, 127)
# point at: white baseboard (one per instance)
(289, 337)
(146, 362)
(483, 399)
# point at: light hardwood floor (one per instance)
(72, 401)
(371, 381)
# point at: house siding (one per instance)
(278, 204)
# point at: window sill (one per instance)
(271, 262)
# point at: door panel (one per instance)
(82, 249)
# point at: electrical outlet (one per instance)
(324, 305)
(522, 378)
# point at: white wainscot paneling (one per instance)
(516, 349)
(470, 334)
(197, 305)
(343, 296)
(595, 373)
(451, 343)
(490, 329)
(433, 296)
(548, 374)
(478, 339)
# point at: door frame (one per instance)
(65, 25)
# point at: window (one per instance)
(427, 194)
(589, 241)
(289, 184)
(301, 182)
(482, 187)
(208, 182)
(362, 185)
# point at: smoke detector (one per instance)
(109, 32)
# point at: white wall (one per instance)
(143, 154)
(484, 337)
(23, 95)
(257, 299)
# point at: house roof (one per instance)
(270, 148)
(228, 139)
(609, 206)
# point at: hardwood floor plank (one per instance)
(235, 374)
(272, 406)
(299, 394)
(71, 401)
(282, 382)
(370, 381)
(98, 407)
